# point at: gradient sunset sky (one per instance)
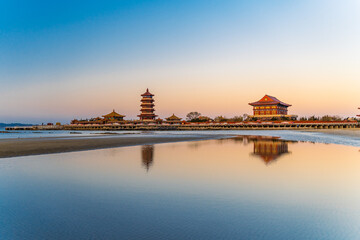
(61, 60)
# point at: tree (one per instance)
(330, 118)
(219, 119)
(192, 115)
(313, 118)
(237, 119)
(285, 118)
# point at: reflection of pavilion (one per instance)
(147, 156)
(270, 150)
(267, 148)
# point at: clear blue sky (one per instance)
(65, 59)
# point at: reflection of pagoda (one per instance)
(270, 149)
(147, 107)
(147, 155)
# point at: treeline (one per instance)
(197, 117)
(325, 118)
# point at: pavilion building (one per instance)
(173, 119)
(113, 117)
(147, 107)
(270, 107)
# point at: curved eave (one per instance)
(173, 119)
(109, 116)
(270, 103)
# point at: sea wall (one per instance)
(205, 126)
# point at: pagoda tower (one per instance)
(147, 107)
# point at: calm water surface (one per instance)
(244, 188)
(297, 135)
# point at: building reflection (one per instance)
(147, 156)
(269, 149)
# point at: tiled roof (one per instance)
(147, 93)
(173, 117)
(269, 100)
(113, 114)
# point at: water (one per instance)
(53, 133)
(304, 136)
(244, 188)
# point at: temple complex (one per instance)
(270, 107)
(173, 119)
(147, 107)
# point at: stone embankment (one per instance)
(204, 126)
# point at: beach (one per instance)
(36, 146)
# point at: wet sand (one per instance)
(37, 146)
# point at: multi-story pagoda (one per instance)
(147, 107)
(270, 107)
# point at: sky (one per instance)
(61, 60)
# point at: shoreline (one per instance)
(38, 146)
(349, 132)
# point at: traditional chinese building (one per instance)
(113, 117)
(173, 119)
(270, 107)
(147, 107)
(110, 118)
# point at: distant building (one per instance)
(113, 117)
(358, 115)
(110, 118)
(173, 119)
(147, 107)
(270, 107)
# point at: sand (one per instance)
(37, 146)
